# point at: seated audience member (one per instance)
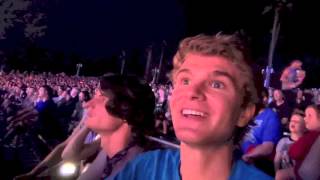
(281, 106)
(121, 112)
(48, 125)
(305, 151)
(301, 102)
(297, 129)
(213, 97)
(259, 143)
(309, 168)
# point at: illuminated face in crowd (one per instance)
(277, 95)
(42, 93)
(206, 100)
(297, 124)
(312, 119)
(99, 120)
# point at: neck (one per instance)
(296, 136)
(114, 142)
(205, 163)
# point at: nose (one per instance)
(196, 91)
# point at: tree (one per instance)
(23, 13)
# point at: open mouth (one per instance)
(194, 113)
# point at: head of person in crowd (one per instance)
(301, 74)
(122, 103)
(265, 97)
(312, 117)
(74, 92)
(30, 91)
(297, 64)
(214, 93)
(67, 95)
(300, 94)
(45, 92)
(297, 124)
(60, 90)
(84, 96)
(278, 95)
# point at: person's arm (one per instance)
(284, 75)
(277, 158)
(284, 174)
(276, 162)
(53, 158)
(310, 166)
(77, 150)
(261, 150)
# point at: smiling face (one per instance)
(206, 100)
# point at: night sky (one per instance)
(98, 30)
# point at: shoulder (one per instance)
(158, 164)
(283, 142)
(270, 111)
(241, 170)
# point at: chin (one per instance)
(188, 137)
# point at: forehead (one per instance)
(296, 117)
(196, 63)
(311, 110)
(278, 92)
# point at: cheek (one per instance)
(174, 99)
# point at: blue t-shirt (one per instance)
(267, 127)
(164, 165)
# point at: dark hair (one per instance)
(49, 90)
(86, 95)
(297, 111)
(132, 100)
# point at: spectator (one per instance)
(282, 108)
(297, 129)
(260, 142)
(213, 96)
(121, 112)
(305, 151)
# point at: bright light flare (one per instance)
(67, 169)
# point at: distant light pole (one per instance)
(149, 59)
(164, 43)
(123, 61)
(78, 66)
(277, 7)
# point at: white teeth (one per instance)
(192, 112)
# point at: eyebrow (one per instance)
(183, 71)
(214, 73)
(226, 75)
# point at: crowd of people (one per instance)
(228, 126)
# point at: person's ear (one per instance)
(246, 115)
